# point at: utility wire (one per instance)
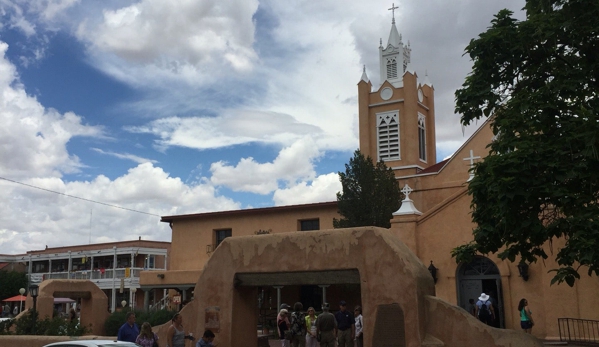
(76, 197)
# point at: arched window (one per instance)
(391, 68)
(388, 135)
(421, 137)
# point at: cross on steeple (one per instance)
(471, 158)
(393, 8)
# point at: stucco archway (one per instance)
(396, 289)
(94, 302)
(388, 273)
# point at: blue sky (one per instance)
(173, 107)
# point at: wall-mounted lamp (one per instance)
(433, 270)
(523, 270)
(160, 275)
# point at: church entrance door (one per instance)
(481, 276)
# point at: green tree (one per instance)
(11, 282)
(370, 194)
(538, 80)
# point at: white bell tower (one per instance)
(394, 58)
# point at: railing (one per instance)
(581, 331)
(96, 274)
(161, 305)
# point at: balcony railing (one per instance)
(96, 274)
(581, 331)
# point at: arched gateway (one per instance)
(396, 288)
(93, 301)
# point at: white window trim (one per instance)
(422, 119)
(379, 118)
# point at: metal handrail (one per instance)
(581, 331)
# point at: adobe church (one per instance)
(397, 125)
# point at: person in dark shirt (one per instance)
(326, 327)
(128, 331)
(345, 326)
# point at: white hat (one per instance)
(483, 297)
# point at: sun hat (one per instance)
(483, 297)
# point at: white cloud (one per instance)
(127, 156)
(16, 13)
(32, 138)
(234, 127)
(152, 40)
(57, 220)
(293, 163)
(33, 151)
(322, 188)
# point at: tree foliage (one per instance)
(370, 194)
(11, 282)
(538, 80)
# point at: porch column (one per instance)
(70, 266)
(324, 292)
(146, 299)
(278, 288)
(113, 304)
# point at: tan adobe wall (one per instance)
(192, 236)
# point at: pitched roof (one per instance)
(434, 168)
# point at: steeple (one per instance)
(364, 76)
(395, 57)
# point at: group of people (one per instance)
(175, 335)
(7, 312)
(485, 312)
(298, 329)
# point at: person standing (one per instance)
(472, 307)
(484, 309)
(298, 326)
(326, 327)
(146, 337)
(206, 340)
(128, 331)
(359, 324)
(526, 321)
(345, 326)
(283, 326)
(311, 340)
(175, 335)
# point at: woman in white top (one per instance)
(359, 326)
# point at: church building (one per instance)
(397, 125)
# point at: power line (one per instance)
(76, 197)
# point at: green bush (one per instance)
(116, 319)
(56, 326)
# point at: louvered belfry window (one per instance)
(388, 135)
(421, 137)
(391, 68)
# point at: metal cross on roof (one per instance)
(392, 9)
(406, 190)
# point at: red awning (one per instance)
(16, 298)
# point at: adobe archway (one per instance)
(94, 302)
(388, 272)
(395, 288)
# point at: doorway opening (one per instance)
(481, 276)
